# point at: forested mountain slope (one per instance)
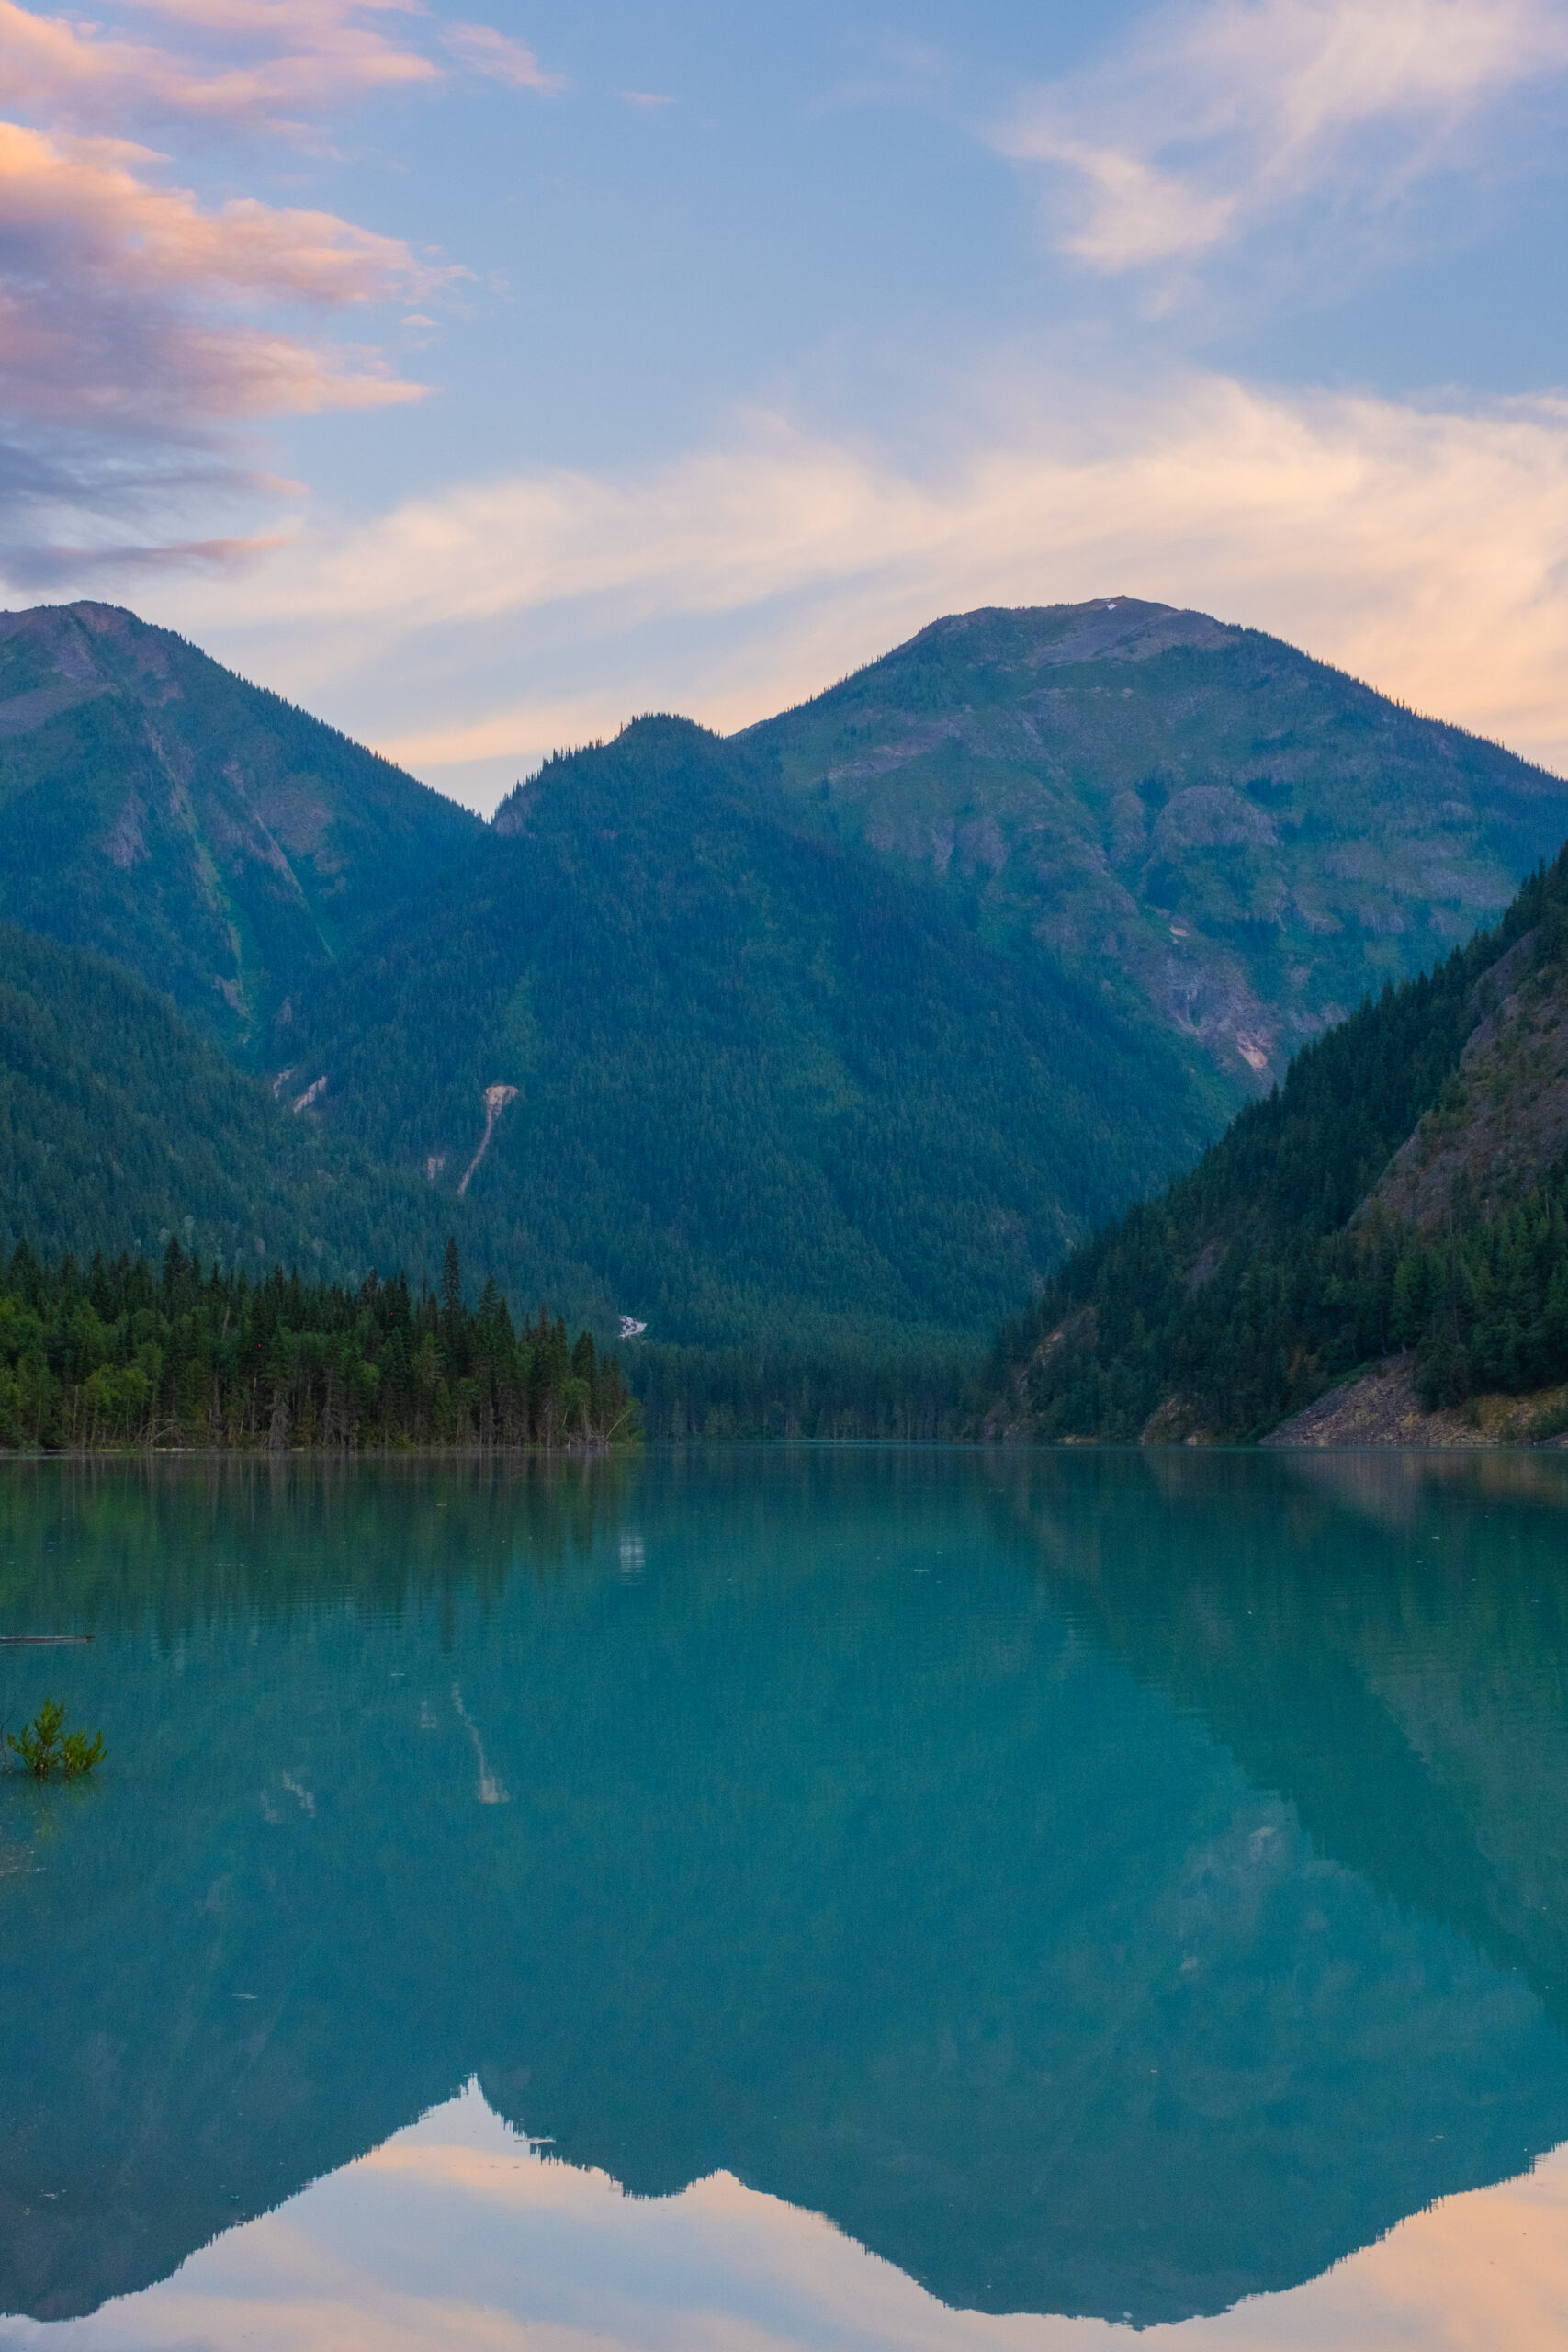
(1404, 1189)
(762, 1082)
(121, 1127)
(215, 840)
(838, 1034)
(1195, 816)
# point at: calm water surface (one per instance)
(769, 1900)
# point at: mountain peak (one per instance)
(1125, 628)
(653, 742)
(46, 625)
(198, 828)
(1189, 815)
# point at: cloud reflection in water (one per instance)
(458, 2236)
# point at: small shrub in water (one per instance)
(37, 1743)
(45, 1743)
(79, 1753)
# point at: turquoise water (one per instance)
(1096, 1885)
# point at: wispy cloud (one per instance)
(896, 71)
(45, 567)
(266, 64)
(1217, 116)
(247, 62)
(483, 626)
(499, 59)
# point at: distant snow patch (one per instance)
(631, 1329)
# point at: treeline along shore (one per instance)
(120, 1356)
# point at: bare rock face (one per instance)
(1383, 1409)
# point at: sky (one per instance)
(481, 382)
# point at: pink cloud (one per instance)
(301, 24)
(264, 62)
(310, 56)
(138, 325)
(85, 197)
(125, 299)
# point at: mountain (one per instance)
(122, 1126)
(831, 1040)
(1197, 819)
(119, 1126)
(217, 842)
(748, 1080)
(1397, 1208)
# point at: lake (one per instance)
(756, 1899)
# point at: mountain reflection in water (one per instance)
(1105, 1886)
(456, 2236)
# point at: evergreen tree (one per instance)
(210, 1358)
(1268, 1274)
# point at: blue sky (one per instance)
(481, 381)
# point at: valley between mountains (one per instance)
(819, 1050)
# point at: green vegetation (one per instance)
(890, 1386)
(1204, 823)
(119, 1128)
(815, 1050)
(1253, 1285)
(767, 1091)
(118, 1356)
(201, 832)
(45, 1744)
(1485, 1302)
